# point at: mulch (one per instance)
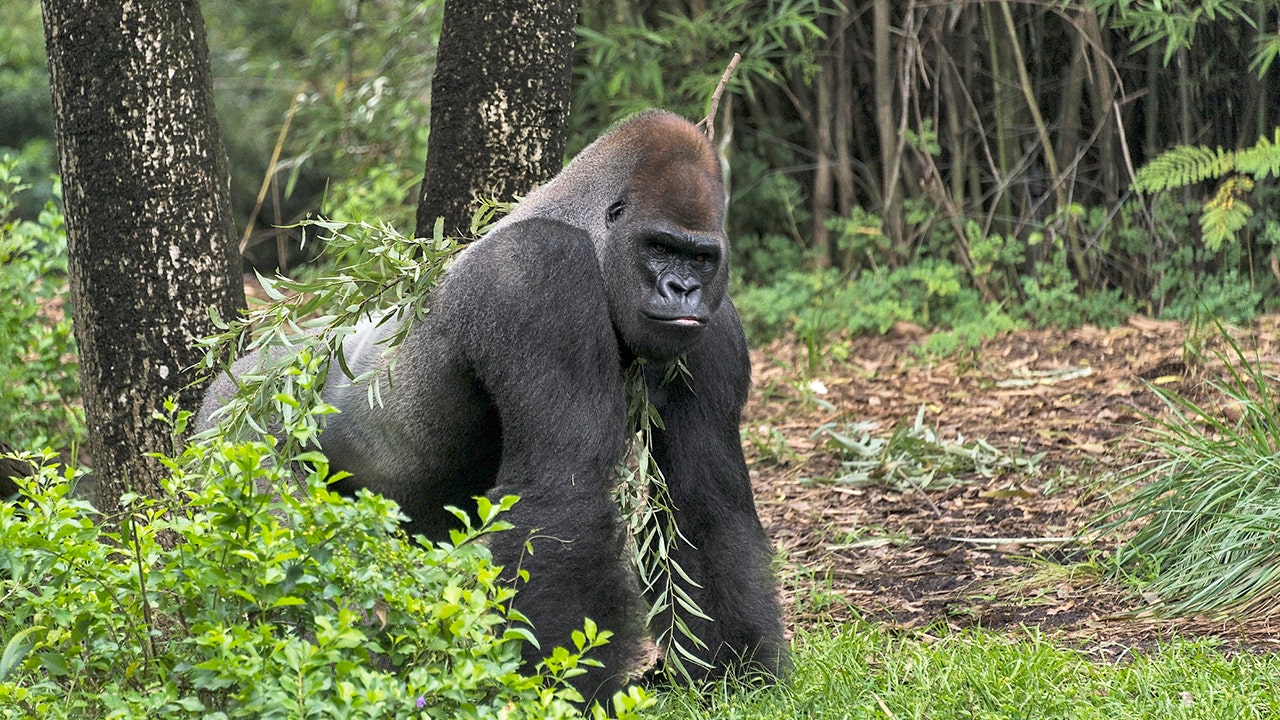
(1008, 551)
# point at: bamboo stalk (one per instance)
(1046, 145)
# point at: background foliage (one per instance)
(39, 390)
(989, 147)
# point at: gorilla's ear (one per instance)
(614, 212)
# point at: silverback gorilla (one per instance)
(512, 384)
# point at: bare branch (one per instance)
(709, 122)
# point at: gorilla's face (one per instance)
(666, 280)
(651, 196)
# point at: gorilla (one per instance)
(512, 383)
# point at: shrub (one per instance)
(39, 388)
(816, 305)
(226, 600)
(966, 337)
(1226, 296)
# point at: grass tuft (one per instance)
(1208, 506)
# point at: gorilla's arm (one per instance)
(728, 554)
(539, 340)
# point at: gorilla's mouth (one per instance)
(688, 321)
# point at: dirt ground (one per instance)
(1011, 550)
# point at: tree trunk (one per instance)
(499, 105)
(822, 176)
(1006, 107)
(886, 124)
(148, 212)
(976, 147)
(957, 135)
(1104, 87)
(844, 100)
(1072, 101)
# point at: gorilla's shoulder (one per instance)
(523, 261)
(530, 243)
(539, 232)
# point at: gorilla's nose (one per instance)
(675, 287)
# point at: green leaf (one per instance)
(54, 663)
(522, 633)
(1182, 166)
(16, 649)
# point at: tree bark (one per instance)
(1103, 100)
(499, 105)
(1008, 116)
(887, 124)
(822, 177)
(1069, 123)
(148, 213)
(844, 100)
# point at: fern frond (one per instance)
(1182, 166)
(1262, 159)
(1225, 213)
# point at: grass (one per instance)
(1208, 505)
(864, 671)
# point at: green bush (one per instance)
(227, 600)
(771, 311)
(39, 387)
(1138, 257)
(827, 303)
(1226, 296)
(1155, 263)
(764, 260)
(967, 336)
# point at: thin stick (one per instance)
(271, 168)
(709, 122)
(923, 494)
(1014, 540)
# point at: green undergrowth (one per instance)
(227, 600)
(861, 670)
(1205, 509)
(39, 387)
(1138, 260)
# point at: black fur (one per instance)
(512, 384)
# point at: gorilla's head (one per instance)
(649, 193)
(665, 256)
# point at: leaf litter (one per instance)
(959, 491)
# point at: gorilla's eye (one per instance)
(614, 212)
